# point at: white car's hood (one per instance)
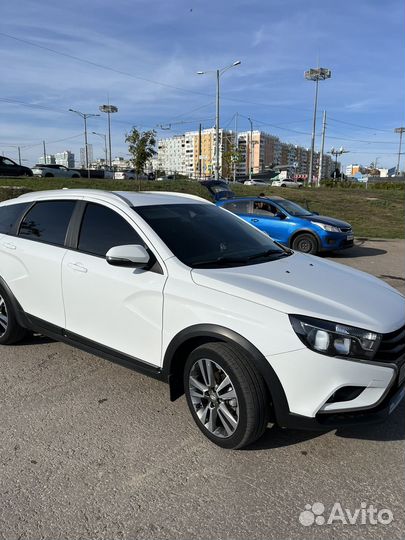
(308, 285)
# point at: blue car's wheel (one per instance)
(306, 243)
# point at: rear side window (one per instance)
(238, 207)
(103, 229)
(9, 215)
(47, 222)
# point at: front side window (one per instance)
(203, 235)
(47, 222)
(9, 163)
(264, 208)
(102, 229)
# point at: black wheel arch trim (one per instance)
(18, 310)
(221, 333)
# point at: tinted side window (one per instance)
(239, 207)
(9, 215)
(103, 229)
(47, 222)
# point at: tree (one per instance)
(141, 146)
(231, 157)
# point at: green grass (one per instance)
(373, 213)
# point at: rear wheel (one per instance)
(48, 175)
(306, 243)
(227, 397)
(10, 331)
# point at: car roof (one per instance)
(130, 198)
(253, 198)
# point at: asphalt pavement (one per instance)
(89, 450)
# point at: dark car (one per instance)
(291, 225)
(219, 189)
(8, 167)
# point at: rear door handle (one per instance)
(9, 245)
(254, 220)
(77, 267)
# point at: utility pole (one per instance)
(236, 148)
(322, 149)
(251, 149)
(19, 155)
(86, 150)
(199, 152)
(318, 74)
(399, 130)
(43, 142)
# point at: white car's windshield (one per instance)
(203, 235)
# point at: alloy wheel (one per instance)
(214, 398)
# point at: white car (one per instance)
(54, 171)
(287, 182)
(125, 175)
(263, 183)
(190, 294)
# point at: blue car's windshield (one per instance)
(293, 209)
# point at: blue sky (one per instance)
(361, 41)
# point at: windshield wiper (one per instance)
(234, 260)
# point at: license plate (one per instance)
(394, 404)
(350, 236)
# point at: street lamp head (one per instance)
(237, 63)
(200, 72)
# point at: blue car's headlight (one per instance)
(326, 227)
(334, 339)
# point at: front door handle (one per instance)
(254, 220)
(9, 245)
(78, 267)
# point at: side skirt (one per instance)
(84, 344)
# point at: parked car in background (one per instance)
(180, 290)
(291, 224)
(257, 182)
(54, 171)
(287, 182)
(8, 167)
(218, 189)
(125, 175)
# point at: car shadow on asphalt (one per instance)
(392, 429)
(354, 253)
(33, 339)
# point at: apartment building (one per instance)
(193, 154)
(66, 158)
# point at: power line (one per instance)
(358, 125)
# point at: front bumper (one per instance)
(312, 382)
(334, 241)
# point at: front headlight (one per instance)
(326, 227)
(334, 339)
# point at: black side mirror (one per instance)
(316, 213)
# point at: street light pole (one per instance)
(86, 150)
(399, 130)
(109, 109)
(218, 73)
(104, 136)
(317, 74)
(251, 149)
(322, 149)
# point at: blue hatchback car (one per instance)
(291, 225)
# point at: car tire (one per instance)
(48, 175)
(236, 414)
(10, 331)
(283, 185)
(306, 243)
(75, 176)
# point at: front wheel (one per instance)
(10, 331)
(305, 243)
(226, 395)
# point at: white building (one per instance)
(171, 156)
(66, 158)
